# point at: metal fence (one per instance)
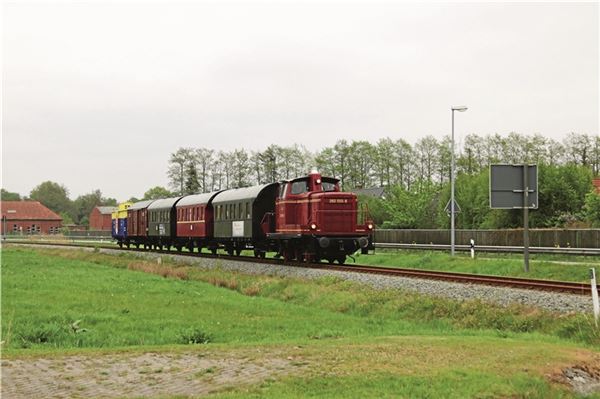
(573, 238)
(88, 233)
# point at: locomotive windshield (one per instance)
(327, 186)
(300, 186)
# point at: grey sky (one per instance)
(98, 95)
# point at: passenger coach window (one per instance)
(247, 210)
(299, 187)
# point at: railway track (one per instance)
(512, 282)
(493, 248)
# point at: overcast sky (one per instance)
(98, 95)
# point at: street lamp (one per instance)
(459, 108)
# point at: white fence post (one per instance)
(595, 295)
(472, 248)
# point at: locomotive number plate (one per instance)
(338, 201)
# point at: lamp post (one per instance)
(460, 108)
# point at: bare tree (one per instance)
(426, 150)
(176, 171)
(240, 167)
(204, 158)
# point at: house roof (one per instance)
(27, 210)
(106, 210)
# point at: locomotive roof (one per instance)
(140, 205)
(323, 178)
(161, 204)
(240, 194)
(197, 199)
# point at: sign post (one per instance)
(595, 295)
(515, 187)
(525, 218)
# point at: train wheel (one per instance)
(238, 252)
(256, 253)
(330, 260)
(190, 248)
(213, 251)
(127, 245)
(120, 244)
(137, 245)
(341, 259)
(179, 248)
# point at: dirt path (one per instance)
(137, 375)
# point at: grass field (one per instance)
(348, 341)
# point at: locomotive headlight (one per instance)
(313, 226)
(370, 226)
(318, 181)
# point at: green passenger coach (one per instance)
(238, 214)
(162, 221)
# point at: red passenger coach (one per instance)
(137, 223)
(195, 221)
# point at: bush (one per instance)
(194, 336)
(591, 208)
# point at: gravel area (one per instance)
(558, 302)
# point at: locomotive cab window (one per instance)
(299, 187)
(328, 186)
(282, 190)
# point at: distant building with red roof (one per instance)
(28, 217)
(101, 218)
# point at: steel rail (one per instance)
(478, 279)
(493, 248)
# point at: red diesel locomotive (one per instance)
(305, 219)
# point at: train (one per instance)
(306, 219)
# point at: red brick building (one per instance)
(28, 217)
(100, 218)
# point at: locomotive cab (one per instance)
(319, 220)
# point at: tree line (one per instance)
(55, 197)
(360, 164)
(416, 177)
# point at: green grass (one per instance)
(62, 299)
(356, 341)
(43, 297)
(545, 267)
(387, 385)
